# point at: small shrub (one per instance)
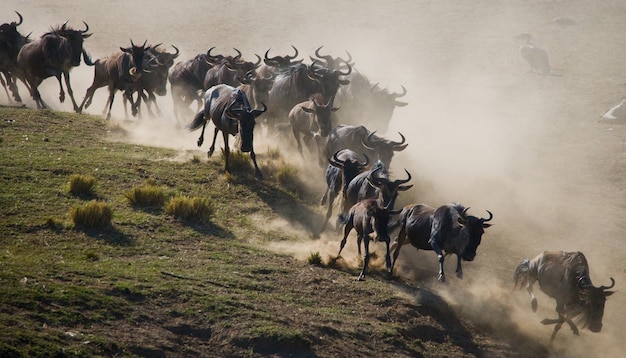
(195, 159)
(190, 209)
(92, 256)
(91, 215)
(287, 176)
(273, 153)
(54, 224)
(82, 185)
(148, 195)
(315, 258)
(237, 160)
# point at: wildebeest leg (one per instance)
(387, 256)
(366, 258)
(396, 248)
(442, 276)
(257, 172)
(346, 231)
(110, 102)
(296, 134)
(459, 269)
(88, 97)
(329, 211)
(61, 92)
(210, 152)
(529, 288)
(70, 91)
(226, 152)
(152, 99)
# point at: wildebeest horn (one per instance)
(21, 19)
(404, 181)
(174, 55)
(488, 219)
(347, 73)
(144, 44)
(64, 24)
(398, 146)
(398, 95)
(155, 46)
(464, 212)
(294, 56)
(238, 55)
(258, 62)
(208, 53)
(609, 287)
(266, 55)
(259, 111)
(328, 59)
(335, 161)
(86, 28)
(131, 43)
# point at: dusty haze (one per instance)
(482, 130)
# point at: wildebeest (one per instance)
(53, 54)
(374, 184)
(312, 120)
(332, 63)
(153, 80)
(367, 217)
(364, 103)
(564, 276)
(256, 87)
(362, 140)
(344, 166)
(187, 81)
(271, 65)
(11, 41)
(230, 111)
(118, 71)
(297, 83)
(229, 71)
(536, 57)
(447, 229)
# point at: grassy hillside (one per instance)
(151, 284)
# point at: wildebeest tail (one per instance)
(521, 273)
(198, 121)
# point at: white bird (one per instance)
(536, 57)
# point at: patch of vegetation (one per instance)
(315, 259)
(147, 195)
(82, 185)
(92, 215)
(189, 209)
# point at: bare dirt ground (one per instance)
(482, 130)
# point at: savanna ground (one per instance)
(482, 131)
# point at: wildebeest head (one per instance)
(137, 53)
(75, 39)
(594, 299)
(388, 190)
(329, 80)
(323, 113)
(333, 63)
(475, 229)
(240, 109)
(280, 61)
(380, 216)
(385, 148)
(8, 31)
(348, 164)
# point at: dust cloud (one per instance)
(482, 131)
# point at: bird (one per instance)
(536, 57)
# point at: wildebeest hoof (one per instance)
(533, 304)
(459, 275)
(361, 278)
(441, 278)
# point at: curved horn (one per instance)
(464, 212)
(208, 53)
(258, 62)
(335, 161)
(64, 24)
(398, 95)
(21, 19)
(177, 51)
(266, 55)
(328, 59)
(294, 56)
(144, 44)
(347, 73)
(86, 28)
(609, 287)
(488, 219)
(397, 144)
(155, 46)
(404, 181)
(238, 55)
(131, 43)
(365, 141)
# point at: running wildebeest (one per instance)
(11, 41)
(230, 111)
(118, 71)
(271, 65)
(362, 140)
(368, 217)
(55, 53)
(447, 229)
(342, 168)
(229, 71)
(564, 276)
(311, 118)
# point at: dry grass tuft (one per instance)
(190, 209)
(92, 215)
(82, 185)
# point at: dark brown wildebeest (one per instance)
(311, 118)
(230, 111)
(55, 53)
(564, 276)
(11, 41)
(332, 63)
(157, 64)
(362, 140)
(119, 71)
(374, 184)
(447, 229)
(344, 166)
(368, 217)
(297, 83)
(229, 71)
(187, 82)
(271, 66)
(256, 87)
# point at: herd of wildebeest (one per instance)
(336, 111)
